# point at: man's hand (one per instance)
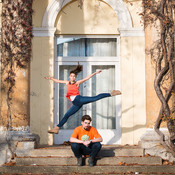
(86, 143)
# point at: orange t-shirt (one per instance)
(72, 89)
(81, 134)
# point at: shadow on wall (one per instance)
(126, 129)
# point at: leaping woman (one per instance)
(74, 96)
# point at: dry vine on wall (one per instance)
(158, 14)
(16, 48)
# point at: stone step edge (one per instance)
(85, 169)
(84, 157)
(63, 153)
(99, 161)
(103, 148)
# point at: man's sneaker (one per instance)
(79, 161)
(91, 161)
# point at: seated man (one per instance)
(85, 141)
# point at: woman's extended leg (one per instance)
(85, 99)
(70, 112)
(81, 100)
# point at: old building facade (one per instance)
(105, 35)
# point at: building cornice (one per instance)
(132, 32)
(44, 31)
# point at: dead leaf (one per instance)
(10, 164)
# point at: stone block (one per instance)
(151, 143)
(25, 145)
(23, 148)
(19, 142)
(5, 154)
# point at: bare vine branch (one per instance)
(159, 14)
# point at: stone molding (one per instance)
(43, 31)
(132, 32)
(118, 6)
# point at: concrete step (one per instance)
(137, 169)
(106, 151)
(99, 161)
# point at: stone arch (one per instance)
(118, 6)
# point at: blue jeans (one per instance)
(78, 102)
(79, 149)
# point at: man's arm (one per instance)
(75, 140)
(100, 139)
(87, 142)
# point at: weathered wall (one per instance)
(152, 102)
(14, 114)
(0, 52)
(135, 8)
(0, 13)
(19, 119)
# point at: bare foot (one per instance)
(54, 130)
(115, 92)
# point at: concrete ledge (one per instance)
(105, 152)
(16, 142)
(151, 144)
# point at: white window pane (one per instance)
(101, 47)
(103, 111)
(82, 47)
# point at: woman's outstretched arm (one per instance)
(88, 77)
(55, 80)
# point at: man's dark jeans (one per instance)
(79, 149)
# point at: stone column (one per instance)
(132, 54)
(42, 90)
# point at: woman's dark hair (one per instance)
(78, 69)
(86, 117)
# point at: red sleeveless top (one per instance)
(72, 90)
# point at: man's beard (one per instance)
(86, 128)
